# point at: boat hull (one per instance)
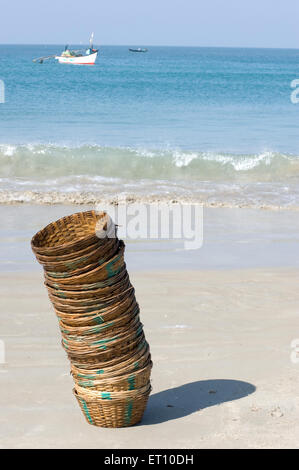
(83, 60)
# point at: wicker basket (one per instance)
(112, 325)
(125, 364)
(112, 409)
(106, 346)
(106, 334)
(100, 273)
(82, 288)
(76, 299)
(139, 349)
(119, 383)
(69, 234)
(98, 306)
(42, 259)
(90, 358)
(92, 296)
(85, 291)
(75, 321)
(74, 266)
(101, 312)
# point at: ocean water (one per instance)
(214, 125)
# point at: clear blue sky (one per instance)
(256, 23)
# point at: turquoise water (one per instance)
(212, 124)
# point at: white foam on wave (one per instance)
(89, 163)
(8, 150)
(183, 159)
(241, 163)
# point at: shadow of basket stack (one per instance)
(89, 287)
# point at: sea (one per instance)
(219, 126)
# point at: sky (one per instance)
(227, 23)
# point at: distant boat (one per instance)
(78, 57)
(87, 57)
(138, 50)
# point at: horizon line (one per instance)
(150, 45)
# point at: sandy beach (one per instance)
(219, 321)
(205, 121)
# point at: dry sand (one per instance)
(222, 375)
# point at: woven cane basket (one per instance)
(69, 234)
(89, 287)
(120, 383)
(112, 409)
(91, 359)
(78, 298)
(111, 326)
(72, 267)
(134, 359)
(100, 273)
(127, 364)
(115, 284)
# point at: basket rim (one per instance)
(54, 292)
(90, 311)
(89, 287)
(118, 378)
(121, 332)
(144, 351)
(48, 265)
(94, 342)
(102, 326)
(71, 280)
(129, 368)
(91, 395)
(139, 344)
(41, 249)
(117, 349)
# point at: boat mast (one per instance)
(91, 41)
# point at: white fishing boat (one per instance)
(87, 57)
(76, 57)
(73, 57)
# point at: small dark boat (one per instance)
(138, 50)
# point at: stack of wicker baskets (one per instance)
(90, 289)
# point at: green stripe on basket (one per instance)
(139, 330)
(99, 319)
(86, 411)
(58, 275)
(136, 365)
(128, 412)
(85, 383)
(106, 395)
(85, 376)
(75, 264)
(131, 381)
(64, 331)
(62, 295)
(95, 329)
(104, 341)
(110, 270)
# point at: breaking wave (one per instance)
(86, 174)
(50, 161)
